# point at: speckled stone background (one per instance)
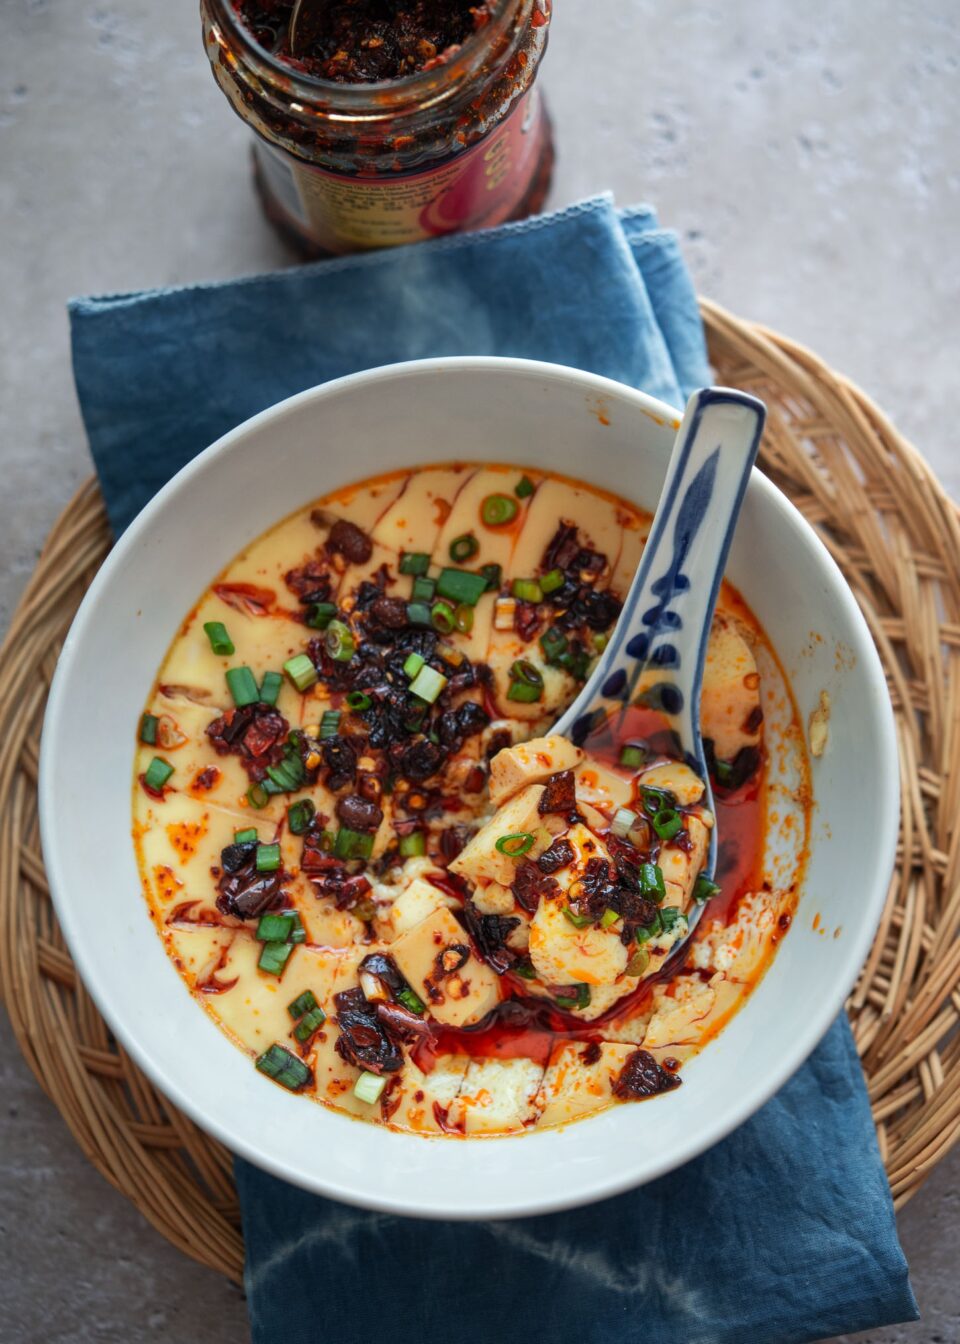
(808, 154)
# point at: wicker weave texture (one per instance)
(895, 535)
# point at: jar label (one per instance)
(479, 188)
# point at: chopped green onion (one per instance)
(287, 776)
(270, 687)
(268, 858)
(525, 970)
(600, 642)
(549, 583)
(573, 996)
(245, 837)
(243, 686)
(656, 800)
(553, 642)
(157, 773)
(413, 665)
(329, 723)
(669, 917)
(369, 1087)
(352, 844)
(423, 590)
(418, 613)
(527, 590)
(496, 510)
(301, 672)
(609, 917)
(516, 844)
(652, 884)
(492, 575)
(320, 615)
(428, 684)
(623, 820)
(648, 931)
(413, 845)
(459, 585)
(300, 815)
(464, 548)
(284, 1068)
(442, 618)
(308, 1024)
(358, 700)
(414, 562)
(273, 957)
(148, 729)
(303, 1003)
(633, 757)
(523, 488)
(276, 928)
(577, 664)
(410, 1000)
(578, 921)
(667, 822)
(724, 772)
(522, 693)
(338, 642)
(220, 641)
(639, 962)
(464, 618)
(703, 889)
(523, 670)
(257, 796)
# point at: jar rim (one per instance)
(425, 87)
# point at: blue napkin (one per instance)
(785, 1231)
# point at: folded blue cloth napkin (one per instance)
(785, 1231)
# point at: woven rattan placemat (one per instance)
(895, 535)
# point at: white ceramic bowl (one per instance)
(474, 410)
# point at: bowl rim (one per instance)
(755, 1093)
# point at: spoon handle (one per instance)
(674, 591)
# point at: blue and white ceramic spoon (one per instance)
(665, 622)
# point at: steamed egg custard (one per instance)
(385, 878)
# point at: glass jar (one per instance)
(463, 145)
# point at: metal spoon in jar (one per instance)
(304, 25)
(658, 646)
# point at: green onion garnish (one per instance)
(301, 672)
(410, 1000)
(578, 921)
(413, 845)
(338, 642)
(418, 613)
(459, 585)
(157, 773)
(600, 642)
(329, 723)
(273, 957)
(651, 881)
(667, 822)
(369, 1087)
(246, 836)
(523, 487)
(549, 583)
(553, 642)
(243, 686)
(220, 641)
(525, 970)
(428, 684)
(703, 889)
(257, 796)
(524, 670)
(320, 615)
(300, 815)
(464, 618)
(268, 858)
(413, 665)
(573, 996)
(669, 917)
(648, 931)
(288, 775)
(492, 575)
(358, 701)
(308, 1024)
(276, 928)
(656, 800)
(498, 509)
(303, 1003)
(148, 729)
(624, 819)
(284, 1068)
(633, 757)
(423, 590)
(464, 548)
(442, 618)
(352, 844)
(638, 963)
(527, 590)
(609, 917)
(414, 562)
(522, 693)
(516, 844)
(270, 687)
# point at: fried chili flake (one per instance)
(364, 1039)
(490, 934)
(530, 884)
(310, 583)
(242, 891)
(641, 1076)
(559, 855)
(350, 541)
(256, 734)
(559, 794)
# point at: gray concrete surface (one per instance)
(807, 154)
